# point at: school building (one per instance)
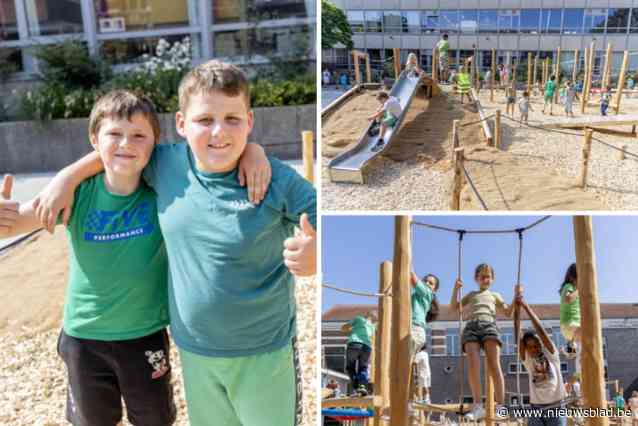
(513, 28)
(121, 31)
(620, 337)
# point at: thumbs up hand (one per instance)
(300, 251)
(9, 210)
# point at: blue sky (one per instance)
(354, 246)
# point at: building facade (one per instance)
(121, 31)
(620, 337)
(513, 28)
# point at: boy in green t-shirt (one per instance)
(360, 332)
(114, 341)
(550, 88)
(231, 291)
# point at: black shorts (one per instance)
(480, 331)
(102, 373)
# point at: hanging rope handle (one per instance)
(517, 315)
(461, 233)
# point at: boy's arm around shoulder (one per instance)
(15, 218)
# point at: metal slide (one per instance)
(348, 166)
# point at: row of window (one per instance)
(526, 21)
(54, 17)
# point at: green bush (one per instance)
(266, 93)
(160, 87)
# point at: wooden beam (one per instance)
(383, 345)
(308, 155)
(458, 179)
(621, 81)
(587, 80)
(493, 75)
(497, 129)
(593, 369)
(438, 408)
(591, 120)
(575, 69)
(401, 321)
(529, 73)
(358, 402)
(535, 71)
(355, 58)
(396, 52)
(368, 70)
(586, 155)
(435, 65)
(557, 72)
(607, 69)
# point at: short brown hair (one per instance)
(214, 75)
(483, 267)
(123, 104)
(382, 95)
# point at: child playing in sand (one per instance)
(360, 331)
(231, 288)
(387, 115)
(524, 106)
(542, 362)
(550, 88)
(604, 100)
(570, 311)
(510, 94)
(481, 332)
(570, 95)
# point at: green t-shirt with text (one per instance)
(117, 286)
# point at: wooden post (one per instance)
(535, 71)
(458, 179)
(401, 320)
(593, 370)
(586, 153)
(621, 81)
(455, 136)
(607, 69)
(583, 100)
(489, 396)
(308, 157)
(435, 65)
(355, 58)
(587, 79)
(493, 75)
(557, 74)
(529, 73)
(622, 153)
(575, 69)
(382, 343)
(497, 129)
(397, 62)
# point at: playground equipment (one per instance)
(391, 402)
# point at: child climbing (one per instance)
(425, 308)
(464, 83)
(481, 332)
(570, 312)
(524, 106)
(550, 88)
(358, 350)
(412, 66)
(387, 116)
(542, 362)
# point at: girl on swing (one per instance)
(481, 332)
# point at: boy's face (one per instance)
(124, 146)
(216, 127)
(533, 347)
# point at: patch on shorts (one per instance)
(159, 362)
(298, 382)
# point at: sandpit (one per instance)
(33, 377)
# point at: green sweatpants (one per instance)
(257, 390)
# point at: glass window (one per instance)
(633, 24)
(10, 62)
(121, 15)
(50, 17)
(550, 21)
(469, 21)
(617, 21)
(373, 22)
(342, 56)
(355, 18)
(488, 21)
(280, 41)
(529, 20)
(509, 347)
(410, 21)
(595, 20)
(251, 10)
(573, 21)
(8, 22)
(508, 20)
(452, 342)
(392, 21)
(426, 63)
(131, 50)
(449, 21)
(235, 43)
(430, 21)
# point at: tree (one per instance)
(334, 27)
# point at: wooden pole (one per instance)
(587, 79)
(435, 65)
(401, 320)
(575, 69)
(458, 179)
(535, 70)
(455, 136)
(621, 81)
(383, 343)
(586, 154)
(607, 69)
(529, 73)
(397, 62)
(368, 70)
(489, 396)
(557, 73)
(593, 370)
(497, 129)
(308, 157)
(493, 75)
(622, 153)
(355, 58)
(583, 100)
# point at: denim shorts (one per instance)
(480, 331)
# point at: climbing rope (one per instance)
(356, 293)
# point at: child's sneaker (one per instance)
(362, 390)
(374, 130)
(379, 145)
(476, 413)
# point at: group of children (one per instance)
(167, 234)
(537, 352)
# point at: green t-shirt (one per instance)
(569, 312)
(118, 279)
(620, 402)
(362, 331)
(550, 87)
(421, 299)
(230, 293)
(443, 46)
